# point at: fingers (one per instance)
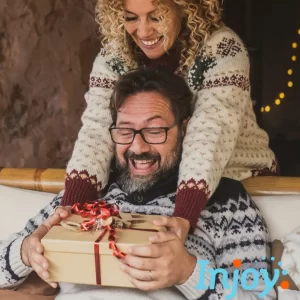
(37, 260)
(64, 213)
(163, 237)
(53, 220)
(165, 221)
(140, 262)
(152, 251)
(138, 274)
(53, 284)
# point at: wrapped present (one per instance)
(86, 248)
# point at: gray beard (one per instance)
(142, 183)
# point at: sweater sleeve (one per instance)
(220, 80)
(88, 169)
(12, 269)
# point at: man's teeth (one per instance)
(150, 43)
(142, 161)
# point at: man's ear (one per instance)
(184, 126)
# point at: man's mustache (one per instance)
(142, 156)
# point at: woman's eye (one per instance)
(154, 19)
(129, 19)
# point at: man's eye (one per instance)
(155, 131)
(124, 132)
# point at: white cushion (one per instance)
(18, 206)
(280, 212)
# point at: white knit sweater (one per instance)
(223, 138)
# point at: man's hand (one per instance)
(32, 249)
(159, 265)
(179, 226)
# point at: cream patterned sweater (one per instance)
(223, 138)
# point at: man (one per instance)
(150, 110)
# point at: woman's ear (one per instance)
(184, 126)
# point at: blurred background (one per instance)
(47, 48)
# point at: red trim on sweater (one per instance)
(191, 198)
(80, 187)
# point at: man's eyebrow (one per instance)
(124, 123)
(153, 118)
(146, 121)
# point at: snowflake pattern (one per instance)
(98, 82)
(229, 47)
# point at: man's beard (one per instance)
(142, 183)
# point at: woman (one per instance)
(223, 138)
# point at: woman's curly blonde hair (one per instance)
(199, 19)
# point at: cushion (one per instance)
(277, 250)
(23, 205)
(280, 212)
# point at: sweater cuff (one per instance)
(190, 289)
(80, 187)
(17, 266)
(189, 204)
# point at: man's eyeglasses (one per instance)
(150, 135)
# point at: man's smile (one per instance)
(142, 167)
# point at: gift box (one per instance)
(92, 256)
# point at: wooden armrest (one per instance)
(52, 181)
(44, 180)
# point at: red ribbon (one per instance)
(95, 211)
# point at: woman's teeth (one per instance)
(152, 42)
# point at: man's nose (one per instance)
(144, 30)
(139, 145)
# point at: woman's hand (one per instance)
(179, 226)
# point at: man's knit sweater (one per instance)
(229, 227)
(222, 139)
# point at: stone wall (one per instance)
(47, 48)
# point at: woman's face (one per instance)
(142, 24)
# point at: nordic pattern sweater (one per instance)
(230, 227)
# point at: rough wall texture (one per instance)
(47, 48)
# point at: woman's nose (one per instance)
(144, 30)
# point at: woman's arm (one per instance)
(220, 80)
(88, 168)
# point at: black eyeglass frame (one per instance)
(140, 131)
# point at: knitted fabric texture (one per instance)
(222, 139)
(230, 227)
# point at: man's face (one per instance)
(141, 164)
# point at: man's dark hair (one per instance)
(160, 80)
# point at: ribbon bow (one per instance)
(100, 214)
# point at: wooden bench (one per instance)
(52, 181)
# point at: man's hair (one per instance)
(172, 87)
